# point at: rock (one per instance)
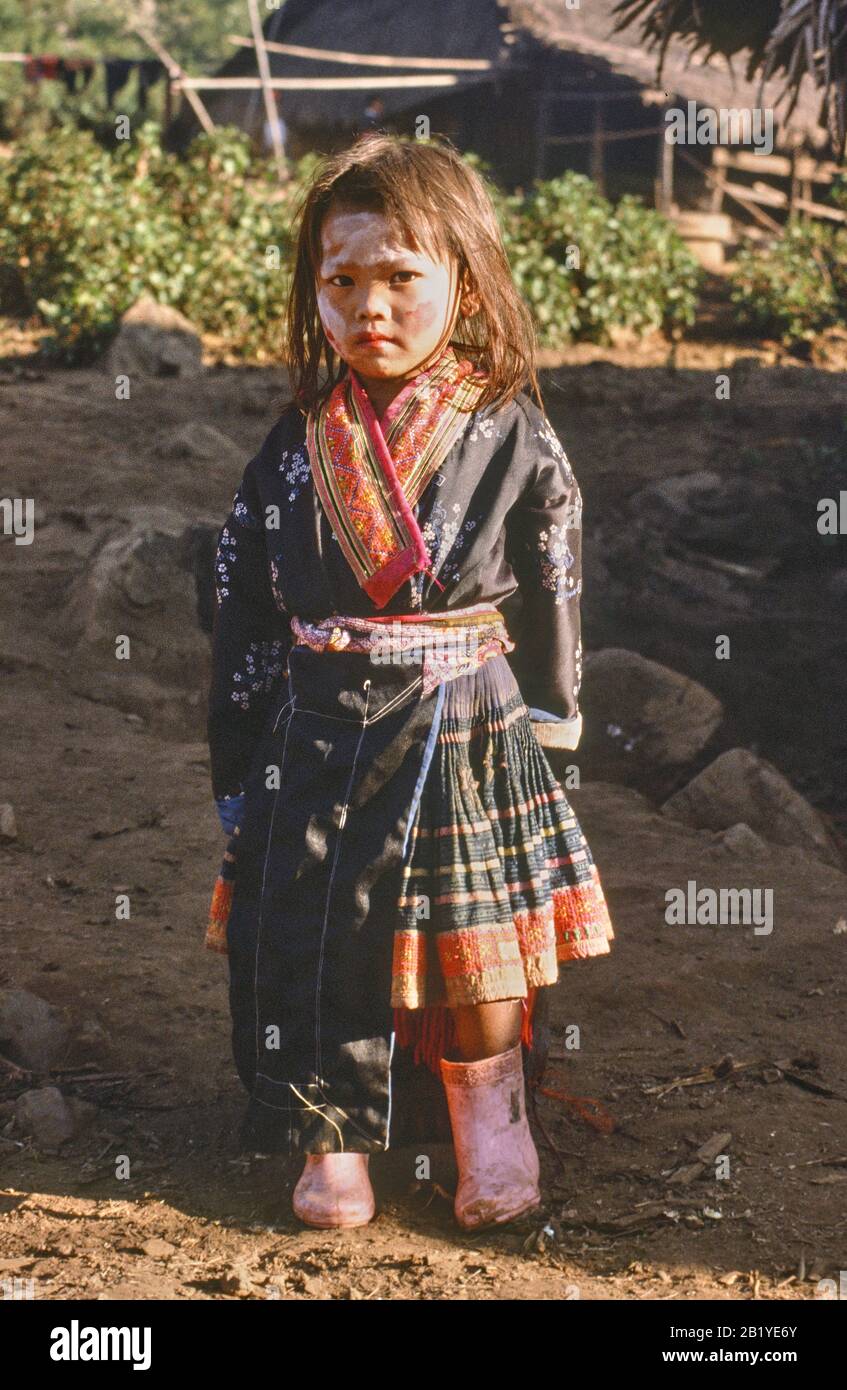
(200, 442)
(32, 1032)
(90, 1034)
(640, 714)
(158, 1249)
(151, 582)
(142, 698)
(738, 786)
(740, 515)
(50, 1118)
(154, 340)
(8, 827)
(740, 839)
(238, 1280)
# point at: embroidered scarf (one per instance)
(369, 476)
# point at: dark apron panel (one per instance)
(311, 930)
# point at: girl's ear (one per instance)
(469, 303)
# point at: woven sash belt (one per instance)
(446, 644)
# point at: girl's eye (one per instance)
(411, 274)
(337, 278)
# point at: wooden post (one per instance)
(542, 115)
(717, 179)
(175, 72)
(267, 90)
(793, 183)
(664, 182)
(598, 143)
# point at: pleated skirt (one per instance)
(498, 884)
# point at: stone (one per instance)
(741, 787)
(8, 825)
(739, 514)
(154, 340)
(200, 442)
(32, 1032)
(640, 707)
(158, 1249)
(152, 581)
(740, 839)
(50, 1118)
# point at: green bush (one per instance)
(587, 267)
(90, 228)
(794, 286)
(86, 231)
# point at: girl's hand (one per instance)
(230, 811)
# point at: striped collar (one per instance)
(368, 481)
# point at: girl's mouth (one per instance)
(367, 339)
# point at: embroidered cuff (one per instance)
(557, 733)
(231, 811)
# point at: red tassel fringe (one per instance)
(215, 939)
(432, 1032)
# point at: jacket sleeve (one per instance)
(251, 638)
(544, 547)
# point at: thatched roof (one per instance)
(797, 42)
(509, 35)
(590, 30)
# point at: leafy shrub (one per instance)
(86, 231)
(796, 285)
(90, 228)
(587, 267)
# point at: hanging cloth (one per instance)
(369, 481)
(150, 71)
(118, 72)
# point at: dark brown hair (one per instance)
(428, 192)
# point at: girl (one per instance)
(404, 871)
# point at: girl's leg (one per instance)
(487, 1030)
(497, 1161)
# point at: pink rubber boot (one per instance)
(334, 1190)
(498, 1162)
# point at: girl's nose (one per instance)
(373, 302)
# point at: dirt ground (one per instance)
(110, 786)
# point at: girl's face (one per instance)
(384, 307)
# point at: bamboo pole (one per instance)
(267, 91)
(368, 60)
(609, 136)
(597, 153)
(176, 76)
(748, 204)
(306, 84)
